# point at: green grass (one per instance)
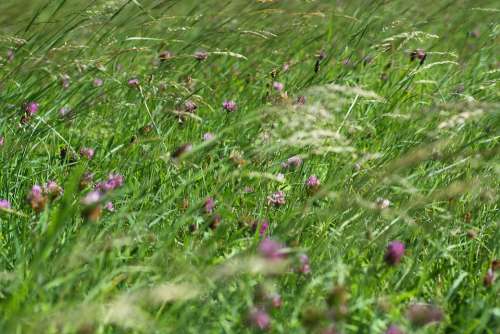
(425, 137)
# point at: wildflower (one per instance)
(64, 111)
(87, 152)
(393, 330)
(278, 86)
(423, 314)
(229, 106)
(276, 199)
(201, 55)
(10, 55)
(2, 140)
(394, 253)
(190, 106)
(109, 206)
(31, 108)
(4, 204)
(181, 150)
(383, 203)
(271, 250)
(286, 67)
(98, 82)
(208, 136)
(489, 278)
(276, 301)
(280, 177)
(418, 54)
(304, 267)
(134, 82)
(216, 220)
(86, 179)
(37, 199)
(52, 189)
(312, 182)
(209, 205)
(65, 81)
(264, 225)
(259, 319)
(92, 210)
(292, 162)
(165, 55)
(113, 182)
(92, 198)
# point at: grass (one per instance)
(375, 125)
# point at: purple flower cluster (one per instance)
(229, 106)
(394, 253)
(4, 204)
(276, 199)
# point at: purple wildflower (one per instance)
(276, 199)
(276, 301)
(87, 152)
(313, 182)
(383, 203)
(134, 82)
(209, 205)
(200, 55)
(208, 136)
(165, 55)
(423, 314)
(113, 182)
(418, 54)
(393, 330)
(64, 111)
(190, 106)
(98, 82)
(92, 198)
(292, 162)
(31, 108)
(278, 86)
(259, 319)
(394, 253)
(36, 198)
(109, 206)
(271, 250)
(52, 189)
(4, 204)
(264, 225)
(229, 106)
(304, 267)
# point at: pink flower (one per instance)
(31, 108)
(312, 182)
(98, 82)
(304, 267)
(271, 250)
(87, 152)
(264, 225)
(134, 82)
(113, 182)
(209, 205)
(64, 111)
(4, 204)
(383, 203)
(190, 106)
(292, 162)
(36, 198)
(91, 198)
(208, 136)
(276, 199)
(2, 141)
(52, 189)
(278, 86)
(394, 330)
(394, 253)
(229, 106)
(200, 55)
(276, 300)
(259, 319)
(109, 206)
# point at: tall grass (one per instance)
(404, 150)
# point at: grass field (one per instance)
(188, 166)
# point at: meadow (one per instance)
(246, 166)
